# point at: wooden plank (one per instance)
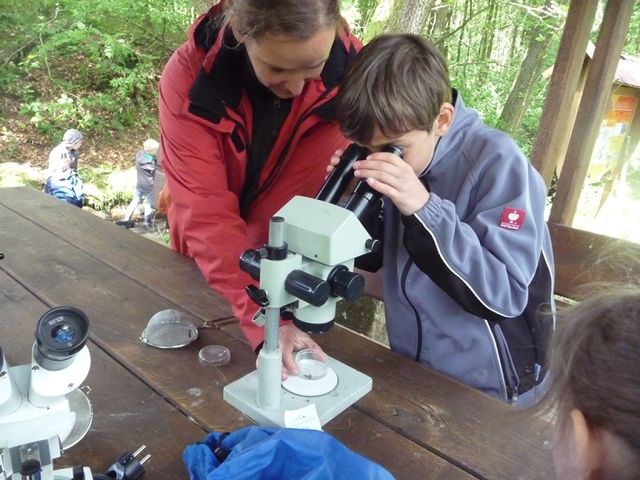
(127, 413)
(119, 307)
(596, 96)
(477, 432)
(556, 121)
(583, 257)
(460, 422)
(137, 258)
(372, 283)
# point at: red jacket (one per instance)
(206, 123)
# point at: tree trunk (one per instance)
(409, 16)
(488, 32)
(441, 26)
(467, 15)
(530, 72)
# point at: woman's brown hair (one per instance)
(295, 18)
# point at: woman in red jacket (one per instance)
(247, 121)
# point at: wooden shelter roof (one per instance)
(627, 72)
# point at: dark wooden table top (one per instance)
(415, 422)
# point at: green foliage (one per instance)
(101, 192)
(633, 36)
(88, 64)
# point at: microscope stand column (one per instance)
(269, 363)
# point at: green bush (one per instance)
(93, 65)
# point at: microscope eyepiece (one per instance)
(338, 181)
(60, 334)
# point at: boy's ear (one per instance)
(588, 442)
(444, 119)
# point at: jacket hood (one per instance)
(456, 136)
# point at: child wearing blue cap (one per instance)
(63, 181)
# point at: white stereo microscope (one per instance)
(304, 270)
(42, 411)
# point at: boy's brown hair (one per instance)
(396, 83)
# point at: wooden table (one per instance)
(415, 422)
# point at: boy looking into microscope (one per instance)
(468, 266)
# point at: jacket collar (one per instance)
(455, 137)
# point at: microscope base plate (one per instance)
(352, 386)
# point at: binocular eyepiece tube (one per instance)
(364, 201)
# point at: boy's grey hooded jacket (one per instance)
(468, 278)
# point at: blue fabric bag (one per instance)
(257, 453)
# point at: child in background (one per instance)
(64, 156)
(595, 387)
(146, 162)
(63, 181)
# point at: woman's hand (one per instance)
(333, 161)
(291, 339)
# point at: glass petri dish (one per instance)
(312, 364)
(214, 355)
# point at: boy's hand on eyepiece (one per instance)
(393, 177)
(290, 339)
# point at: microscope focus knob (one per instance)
(250, 263)
(373, 244)
(258, 295)
(307, 287)
(345, 283)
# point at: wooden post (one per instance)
(597, 92)
(556, 120)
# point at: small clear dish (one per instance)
(312, 363)
(214, 355)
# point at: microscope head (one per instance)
(307, 264)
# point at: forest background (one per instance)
(95, 64)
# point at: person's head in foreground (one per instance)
(595, 373)
(288, 41)
(397, 91)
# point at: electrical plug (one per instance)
(127, 466)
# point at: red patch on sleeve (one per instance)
(512, 218)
